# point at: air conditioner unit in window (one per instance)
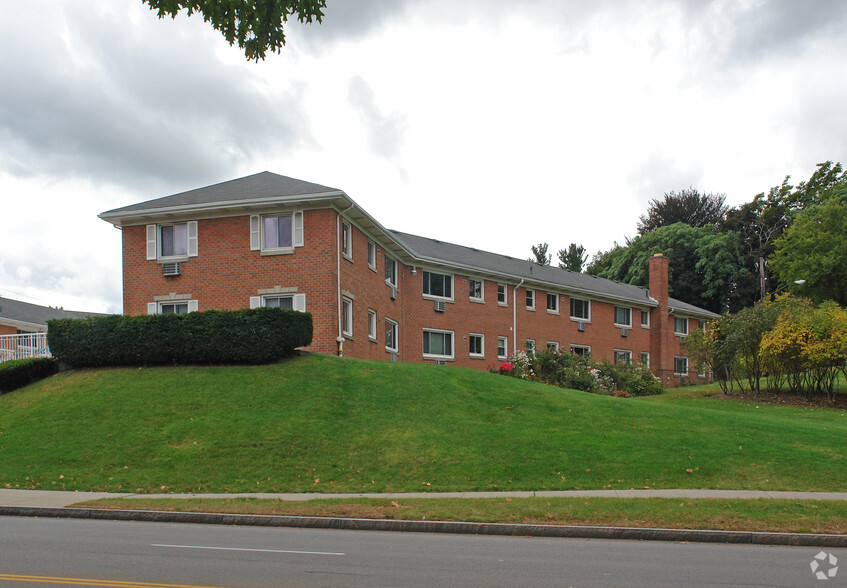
(393, 293)
(170, 269)
(440, 306)
(580, 327)
(624, 332)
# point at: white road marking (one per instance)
(247, 549)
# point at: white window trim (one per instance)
(527, 345)
(396, 270)
(452, 354)
(642, 356)
(154, 242)
(298, 302)
(575, 346)
(347, 243)
(622, 325)
(371, 255)
(675, 358)
(481, 345)
(554, 345)
(257, 232)
(481, 297)
(647, 326)
(505, 341)
(156, 307)
(347, 309)
(528, 290)
(396, 329)
(505, 301)
(680, 333)
(577, 318)
(372, 322)
(433, 296)
(556, 298)
(628, 353)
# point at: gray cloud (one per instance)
(385, 131)
(124, 104)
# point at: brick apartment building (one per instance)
(271, 240)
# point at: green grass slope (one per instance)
(326, 424)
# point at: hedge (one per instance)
(17, 373)
(254, 336)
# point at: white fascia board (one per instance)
(117, 218)
(23, 326)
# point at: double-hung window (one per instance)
(645, 319)
(502, 347)
(623, 317)
(581, 350)
(680, 365)
(530, 346)
(347, 317)
(276, 233)
(391, 271)
(438, 344)
(580, 309)
(680, 326)
(623, 356)
(372, 255)
(476, 291)
(390, 335)
(437, 285)
(502, 299)
(530, 299)
(176, 241)
(476, 345)
(552, 303)
(553, 345)
(372, 324)
(346, 240)
(645, 359)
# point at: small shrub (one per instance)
(21, 372)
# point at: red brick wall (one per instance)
(7, 330)
(226, 273)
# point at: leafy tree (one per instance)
(814, 249)
(540, 253)
(689, 207)
(572, 258)
(256, 25)
(703, 266)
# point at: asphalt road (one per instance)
(65, 552)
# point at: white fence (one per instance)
(23, 346)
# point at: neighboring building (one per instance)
(373, 293)
(23, 327)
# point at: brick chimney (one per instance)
(661, 329)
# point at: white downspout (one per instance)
(515, 317)
(340, 339)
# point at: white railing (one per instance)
(23, 346)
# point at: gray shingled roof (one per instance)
(436, 251)
(256, 187)
(33, 313)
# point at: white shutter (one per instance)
(151, 242)
(192, 306)
(300, 302)
(255, 243)
(255, 301)
(152, 307)
(192, 238)
(298, 229)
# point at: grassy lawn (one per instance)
(325, 424)
(732, 515)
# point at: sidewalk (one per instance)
(60, 499)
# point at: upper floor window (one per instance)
(680, 326)
(276, 232)
(476, 290)
(172, 241)
(623, 316)
(530, 299)
(371, 255)
(390, 271)
(437, 285)
(553, 303)
(580, 309)
(645, 318)
(346, 240)
(701, 325)
(501, 295)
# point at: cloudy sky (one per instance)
(488, 123)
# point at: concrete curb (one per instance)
(568, 531)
